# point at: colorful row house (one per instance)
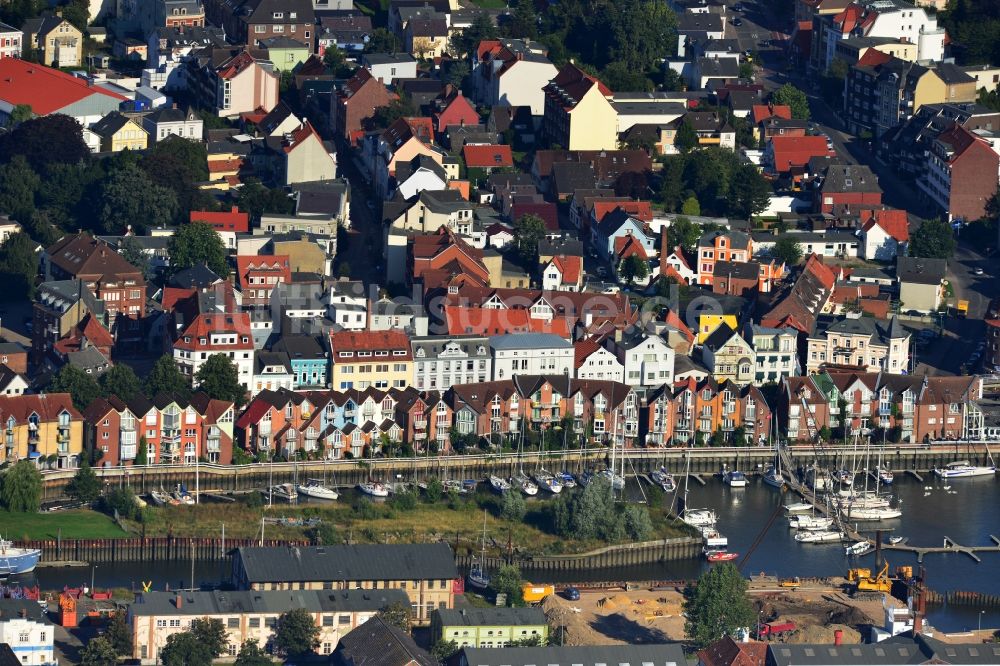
(175, 430)
(911, 408)
(43, 428)
(690, 412)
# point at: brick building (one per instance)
(117, 283)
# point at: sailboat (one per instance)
(478, 578)
(819, 537)
(773, 477)
(498, 485)
(547, 482)
(314, 488)
(663, 479)
(961, 469)
(520, 479)
(695, 517)
(810, 523)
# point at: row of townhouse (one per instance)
(691, 411)
(43, 428)
(173, 428)
(335, 423)
(920, 408)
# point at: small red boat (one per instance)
(720, 556)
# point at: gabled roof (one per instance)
(762, 112)
(45, 89)
(795, 151)
(570, 267)
(893, 222)
(277, 265)
(82, 254)
(640, 210)
(571, 84)
(488, 156)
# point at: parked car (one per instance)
(977, 271)
(571, 593)
(737, 22)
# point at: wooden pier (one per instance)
(949, 546)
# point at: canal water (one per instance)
(967, 513)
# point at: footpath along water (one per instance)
(967, 513)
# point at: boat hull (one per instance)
(14, 561)
(318, 492)
(965, 472)
(373, 490)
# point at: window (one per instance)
(254, 623)
(233, 623)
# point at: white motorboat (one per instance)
(526, 485)
(819, 537)
(664, 479)
(735, 479)
(800, 522)
(893, 540)
(883, 475)
(714, 539)
(617, 480)
(283, 491)
(773, 477)
(374, 489)
(863, 501)
(859, 548)
(699, 517)
(870, 515)
(961, 469)
(497, 484)
(315, 488)
(547, 482)
(798, 507)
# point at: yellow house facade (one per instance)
(370, 359)
(578, 111)
(38, 427)
(118, 133)
(708, 322)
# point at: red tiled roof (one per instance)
(298, 136)
(673, 319)
(463, 320)
(626, 246)
(546, 210)
(45, 89)
(640, 210)
(174, 295)
(231, 220)
(849, 18)
(204, 325)
(894, 222)
(873, 58)
(353, 341)
(576, 83)
(255, 411)
(762, 112)
(224, 166)
(571, 268)
(257, 265)
(47, 406)
(235, 65)
(488, 156)
(796, 151)
(582, 350)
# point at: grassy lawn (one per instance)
(77, 524)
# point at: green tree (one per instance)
(638, 524)
(84, 486)
(443, 650)
(686, 138)
(179, 164)
(749, 192)
(458, 72)
(142, 452)
(786, 249)
(933, 239)
(633, 268)
(44, 140)
(18, 267)
(691, 206)
(184, 649)
(324, 534)
(790, 96)
(671, 193)
(256, 200)
(401, 107)
(98, 651)
(18, 184)
(81, 386)
(507, 580)
(512, 506)
(252, 654)
(165, 377)
(619, 77)
(297, 633)
(197, 243)
(133, 252)
(528, 231)
(463, 42)
(19, 114)
(335, 60)
(382, 40)
(127, 197)
(717, 606)
(120, 381)
(211, 634)
(219, 378)
(21, 488)
(684, 233)
(396, 614)
(119, 636)
(523, 21)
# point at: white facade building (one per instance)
(596, 362)
(31, 641)
(530, 354)
(440, 361)
(647, 359)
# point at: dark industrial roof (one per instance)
(348, 563)
(667, 654)
(917, 270)
(378, 643)
(229, 602)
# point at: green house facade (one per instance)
(489, 627)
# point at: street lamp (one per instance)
(981, 613)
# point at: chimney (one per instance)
(838, 637)
(178, 601)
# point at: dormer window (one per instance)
(292, 15)
(278, 15)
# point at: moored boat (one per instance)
(547, 482)
(859, 548)
(870, 514)
(883, 475)
(283, 491)
(773, 477)
(819, 537)
(375, 489)
(699, 517)
(798, 507)
(735, 479)
(801, 522)
(617, 480)
(566, 479)
(961, 469)
(183, 496)
(714, 539)
(315, 488)
(664, 479)
(15, 560)
(498, 485)
(160, 498)
(720, 556)
(526, 485)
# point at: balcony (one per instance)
(213, 445)
(420, 425)
(309, 444)
(170, 436)
(292, 435)
(128, 426)
(264, 428)
(128, 452)
(171, 422)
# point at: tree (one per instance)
(184, 649)
(790, 96)
(632, 184)
(133, 252)
(401, 107)
(325, 534)
(458, 71)
(18, 267)
(98, 651)
(21, 488)
(397, 615)
(528, 231)
(633, 268)
(686, 138)
(55, 138)
(256, 200)
(933, 239)
(219, 378)
(18, 184)
(296, 633)
(81, 386)
(128, 197)
(619, 77)
(691, 206)
(120, 381)
(749, 192)
(513, 507)
(166, 378)
(178, 164)
(508, 581)
(523, 23)
(335, 60)
(252, 654)
(142, 453)
(671, 192)
(84, 486)
(787, 250)
(119, 636)
(638, 524)
(211, 634)
(443, 650)
(197, 243)
(382, 41)
(465, 41)
(717, 606)
(683, 232)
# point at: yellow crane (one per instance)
(864, 581)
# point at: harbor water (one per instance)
(967, 513)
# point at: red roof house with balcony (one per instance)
(259, 274)
(232, 220)
(789, 155)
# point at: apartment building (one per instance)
(378, 359)
(117, 283)
(249, 616)
(42, 426)
(426, 572)
(732, 246)
(691, 411)
(776, 352)
(441, 361)
(489, 627)
(206, 322)
(530, 354)
(578, 114)
(259, 275)
(961, 174)
(856, 341)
